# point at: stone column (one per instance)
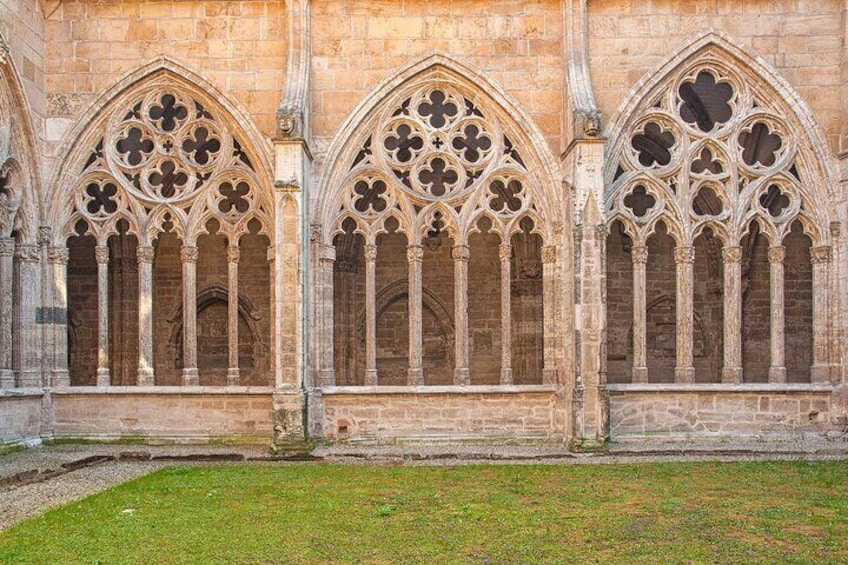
(28, 330)
(549, 370)
(639, 257)
(326, 263)
(58, 257)
(46, 318)
(731, 373)
(233, 255)
(505, 253)
(370, 315)
(460, 254)
(188, 255)
(684, 371)
(7, 252)
(820, 257)
(777, 366)
(101, 254)
(415, 373)
(144, 254)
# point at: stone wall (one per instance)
(678, 412)
(22, 25)
(164, 413)
(20, 416)
(395, 414)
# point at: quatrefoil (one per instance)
(168, 112)
(404, 143)
(653, 145)
(639, 201)
(370, 196)
(774, 201)
(472, 143)
(506, 196)
(134, 146)
(439, 177)
(439, 109)
(203, 146)
(234, 197)
(168, 179)
(101, 198)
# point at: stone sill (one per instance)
(198, 390)
(442, 389)
(20, 392)
(720, 387)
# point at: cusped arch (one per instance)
(162, 72)
(542, 168)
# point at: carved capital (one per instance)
(58, 255)
(288, 185)
(314, 233)
(370, 253)
(684, 255)
(327, 254)
(144, 254)
(345, 266)
(835, 229)
(101, 254)
(27, 253)
(188, 254)
(44, 235)
(820, 254)
(549, 254)
(414, 253)
(731, 254)
(602, 230)
(505, 253)
(7, 247)
(460, 253)
(233, 253)
(639, 254)
(777, 254)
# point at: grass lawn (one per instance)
(787, 512)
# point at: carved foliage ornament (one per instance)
(706, 149)
(166, 149)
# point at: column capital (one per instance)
(820, 254)
(101, 254)
(777, 254)
(233, 253)
(7, 246)
(639, 254)
(414, 253)
(188, 254)
(27, 253)
(144, 253)
(460, 253)
(44, 233)
(549, 254)
(684, 254)
(327, 253)
(370, 252)
(731, 254)
(505, 252)
(58, 255)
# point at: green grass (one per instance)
(652, 513)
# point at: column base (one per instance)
(731, 375)
(639, 375)
(371, 377)
(61, 379)
(462, 376)
(29, 379)
(104, 379)
(7, 378)
(777, 375)
(820, 374)
(145, 377)
(288, 418)
(233, 377)
(506, 376)
(190, 377)
(685, 375)
(415, 377)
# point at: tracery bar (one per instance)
(684, 371)
(101, 254)
(7, 252)
(460, 254)
(233, 256)
(820, 257)
(731, 373)
(505, 254)
(370, 315)
(145, 254)
(549, 372)
(415, 373)
(190, 376)
(58, 257)
(639, 257)
(777, 365)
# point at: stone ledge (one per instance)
(447, 389)
(164, 390)
(714, 388)
(20, 392)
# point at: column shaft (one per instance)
(325, 289)
(233, 256)
(460, 255)
(7, 252)
(505, 253)
(731, 373)
(190, 376)
(684, 371)
(777, 366)
(29, 334)
(370, 315)
(639, 257)
(549, 369)
(820, 257)
(144, 254)
(415, 258)
(101, 254)
(59, 256)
